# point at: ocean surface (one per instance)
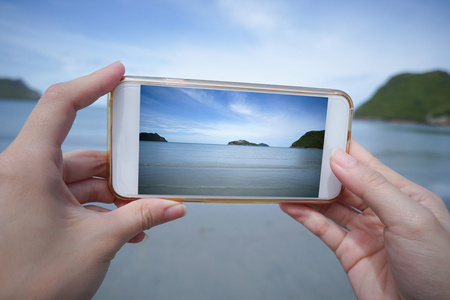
(227, 170)
(244, 251)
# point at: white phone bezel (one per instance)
(123, 142)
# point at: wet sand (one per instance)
(227, 251)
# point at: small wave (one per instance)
(230, 167)
(225, 188)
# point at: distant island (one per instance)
(152, 137)
(246, 143)
(311, 139)
(17, 89)
(418, 98)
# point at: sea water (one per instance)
(245, 251)
(421, 153)
(228, 170)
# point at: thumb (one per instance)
(131, 219)
(387, 200)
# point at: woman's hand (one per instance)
(52, 245)
(391, 235)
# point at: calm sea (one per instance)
(225, 170)
(245, 251)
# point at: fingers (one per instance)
(370, 161)
(134, 240)
(411, 189)
(79, 168)
(83, 164)
(389, 203)
(91, 190)
(339, 212)
(367, 159)
(127, 223)
(130, 220)
(140, 237)
(328, 231)
(53, 116)
(352, 200)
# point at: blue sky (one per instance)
(350, 45)
(218, 117)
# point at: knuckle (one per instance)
(100, 160)
(374, 179)
(323, 229)
(58, 94)
(432, 196)
(372, 162)
(92, 192)
(54, 92)
(147, 217)
(52, 98)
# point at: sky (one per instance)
(354, 46)
(218, 117)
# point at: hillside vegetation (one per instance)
(311, 139)
(151, 137)
(17, 89)
(246, 143)
(423, 98)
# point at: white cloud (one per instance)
(255, 16)
(203, 97)
(242, 109)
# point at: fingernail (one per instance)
(145, 238)
(174, 212)
(115, 63)
(342, 158)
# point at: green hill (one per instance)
(246, 143)
(423, 98)
(151, 137)
(311, 139)
(17, 89)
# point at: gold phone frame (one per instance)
(174, 82)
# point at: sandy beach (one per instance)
(244, 251)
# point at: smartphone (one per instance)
(210, 141)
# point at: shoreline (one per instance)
(445, 123)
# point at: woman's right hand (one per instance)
(391, 235)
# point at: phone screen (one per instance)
(209, 142)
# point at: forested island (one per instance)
(247, 143)
(151, 137)
(311, 139)
(419, 98)
(17, 89)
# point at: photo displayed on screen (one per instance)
(203, 142)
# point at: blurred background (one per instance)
(225, 251)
